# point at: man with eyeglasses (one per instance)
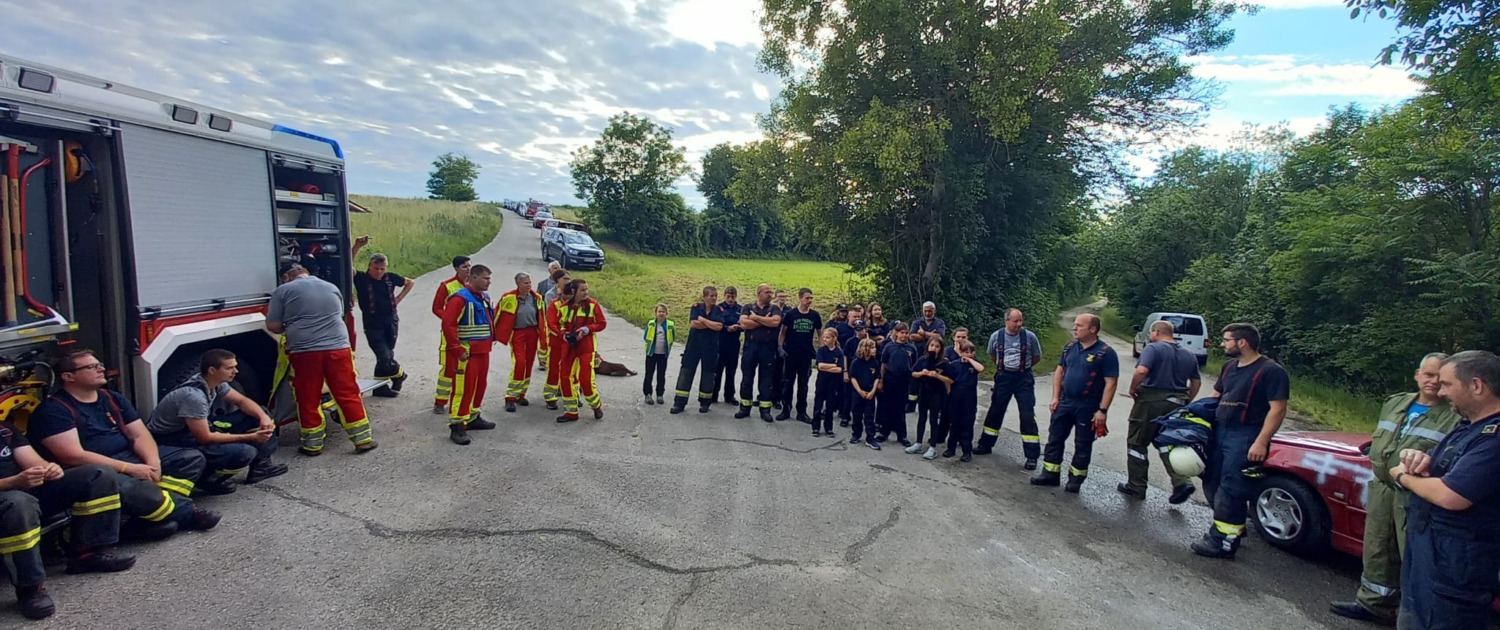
(85, 424)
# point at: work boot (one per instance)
(510, 406)
(265, 471)
(478, 423)
(309, 452)
(34, 601)
(804, 419)
(1029, 465)
(743, 413)
(458, 435)
(948, 453)
(703, 407)
(397, 382)
(967, 457)
(1182, 493)
(552, 405)
(439, 409)
(147, 531)
(599, 413)
(384, 392)
(99, 562)
(365, 447)
(911, 407)
(1209, 548)
(1130, 492)
(650, 400)
(213, 488)
(1047, 479)
(765, 414)
(566, 418)
(675, 409)
(1356, 610)
(1075, 483)
(523, 402)
(983, 450)
(786, 414)
(204, 520)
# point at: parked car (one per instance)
(572, 248)
(540, 219)
(1191, 334)
(1312, 498)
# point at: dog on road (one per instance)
(610, 369)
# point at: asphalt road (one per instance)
(645, 520)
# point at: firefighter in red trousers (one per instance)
(469, 332)
(519, 325)
(579, 319)
(551, 321)
(309, 311)
(446, 290)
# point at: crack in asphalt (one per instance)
(836, 446)
(971, 489)
(697, 582)
(855, 551)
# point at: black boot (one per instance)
(1075, 483)
(765, 414)
(35, 603)
(1208, 547)
(91, 561)
(458, 434)
(743, 413)
(510, 406)
(786, 413)
(1046, 478)
(265, 471)
(478, 423)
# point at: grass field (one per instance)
(420, 235)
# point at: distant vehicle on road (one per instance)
(571, 248)
(540, 219)
(566, 225)
(1192, 334)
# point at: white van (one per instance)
(1192, 334)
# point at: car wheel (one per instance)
(1291, 516)
(564, 261)
(1135, 352)
(545, 257)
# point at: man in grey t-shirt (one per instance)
(1014, 351)
(1165, 378)
(308, 312)
(230, 442)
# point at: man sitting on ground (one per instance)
(84, 423)
(230, 443)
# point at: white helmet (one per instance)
(1185, 461)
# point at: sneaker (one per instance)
(817, 433)
(931, 454)
(1130, 492)
(458, 435)
(599, 413)
(523, 402)
(650, 400)
(34, 601)
(1029, 465)
(361, 449)
(908, 444)
(856, 440)
(873, 444)
(510, 406)
(439, 409)
(829, 434)
(479, 424)
(660, 400)
(204, 520)
(1182, 493)
(99, 562)
(913, 449)
(266, 471)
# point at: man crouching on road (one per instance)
(84, 424)
(230, 443)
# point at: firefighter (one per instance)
(461, 266)
(519, 325)
(469, 330)
(729, 342)
(84, 424)
(1452, 554)
(547, 287)
(701, 354)
(1014, 351)
(1083, 386)
(556, 301)
(375, 290)
(32, 487)
(582, 318)
(1407, 421)
(761, 322)
(230, 443)
(308, 311)
(1166, 377)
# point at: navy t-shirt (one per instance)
(704, 336)
(1084, 369)
(881, 330)
(965, 378)
(1468, 462)
(899, 359)
(801, 331)
(1245, 393)
(99, 428)
(729, 315)
(846, 332)
(1171, 366)
(851, 348)
(865, 372)
(936, 326)
(10, 440)
(830, 355)
(929, 384)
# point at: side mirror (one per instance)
(1136, 328)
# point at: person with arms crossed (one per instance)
(701, 355)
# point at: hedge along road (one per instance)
(646, 520)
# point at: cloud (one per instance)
(1291, 75)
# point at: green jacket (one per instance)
(649, 335)
(1423, 434)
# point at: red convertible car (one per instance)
(1313, 495)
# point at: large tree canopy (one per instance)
(626, 178)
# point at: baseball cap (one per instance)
(841, 307)
(860, 323)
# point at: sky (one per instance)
(518, 86)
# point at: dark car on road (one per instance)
(571, 248)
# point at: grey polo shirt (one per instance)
(312, 311)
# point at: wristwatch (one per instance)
(1104, 410)
(1397, 480)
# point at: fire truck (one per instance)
(148, 228)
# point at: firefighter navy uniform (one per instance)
(759, 356)
(1083, 383)
(729, 349)
(1013, 380)
(468, 329)
(519, 326)
(700, 355)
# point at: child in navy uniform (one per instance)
(830, 382)
(851, 347)
(963, 400)
(864, 376)
(932, 396)
(897, 361)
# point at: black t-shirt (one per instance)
(1245, 393)
(10, 440)
(762, 334)
(802, 330)
(99, 423)
(377, 298)
(702, 337)
(831, 355)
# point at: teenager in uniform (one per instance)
(1253, 392)
(797, 347)
(778, 362)
(1166, 377)
(701, 354)
(932, 397)
(518, 324)
(445, 289)
(1014, 351)
(864, 380)
(896, 363)
(1083, 386)
(928, 326)
(760, 321)
(850, 347)
(729, 343)
(659, 337)
(830, 363)
(963, 401)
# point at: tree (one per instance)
(626, 178)
(749, 221)
(940, 146)
(452, 178)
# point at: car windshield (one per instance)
(1185, 325)
(544, 215)
(575, 238)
